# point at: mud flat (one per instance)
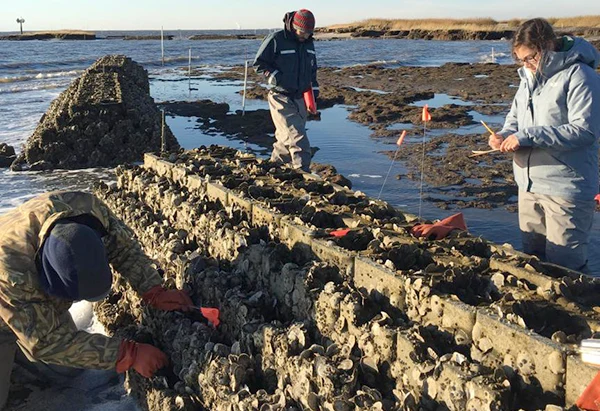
(375, 319)
(389, 100)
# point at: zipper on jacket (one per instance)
(530, 106)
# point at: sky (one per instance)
(254, 14)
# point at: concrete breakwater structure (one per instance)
(52, 35)
(375, 319)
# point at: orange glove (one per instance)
(168, 300)
(440, 229)
(590, 397)
(144, 358)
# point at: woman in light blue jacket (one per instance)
(553, 128)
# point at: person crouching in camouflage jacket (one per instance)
(56, 249)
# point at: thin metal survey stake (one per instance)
(398, 143)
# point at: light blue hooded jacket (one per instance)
(555, 115)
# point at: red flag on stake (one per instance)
(401, 138)
(212, 315)
(340, 233)
(425, 116)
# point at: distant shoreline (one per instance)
(79, 35)
(426, 29)
(442, 34)
(52, 35)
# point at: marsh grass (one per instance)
(476, 24)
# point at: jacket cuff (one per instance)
(523, 138)
(272, 81)
(126, 356)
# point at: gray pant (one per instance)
(555, 229)
(8, 346)
(44, 372)
(291, 142)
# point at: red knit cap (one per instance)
(304, 21)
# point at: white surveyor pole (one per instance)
(162, 46)
(190, 71)
(163, 142)
(245, 84)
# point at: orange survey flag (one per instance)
(340, 233)
(401, 138)
(212, 315)
(425, 116)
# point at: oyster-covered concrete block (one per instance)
(375, 319)
(327, 250)
(530, 353)
(217, 192)
(380, 282)
(579, 375)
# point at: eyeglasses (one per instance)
(530, 59)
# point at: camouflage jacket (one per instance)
(41, 323)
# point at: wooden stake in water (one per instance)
(425, 117)
(245, 85)
(162, 46)
(493, 56)
(190, 72)
(163, 142)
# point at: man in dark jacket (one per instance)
(288, 61)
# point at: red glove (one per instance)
(144, 358)
(440, 229)
(168, 300)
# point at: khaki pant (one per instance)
(555, 229)
(291, 142)
(8, 347)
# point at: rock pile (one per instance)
(7, 155)
(106, 117)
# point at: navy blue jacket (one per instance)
(289, 65)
